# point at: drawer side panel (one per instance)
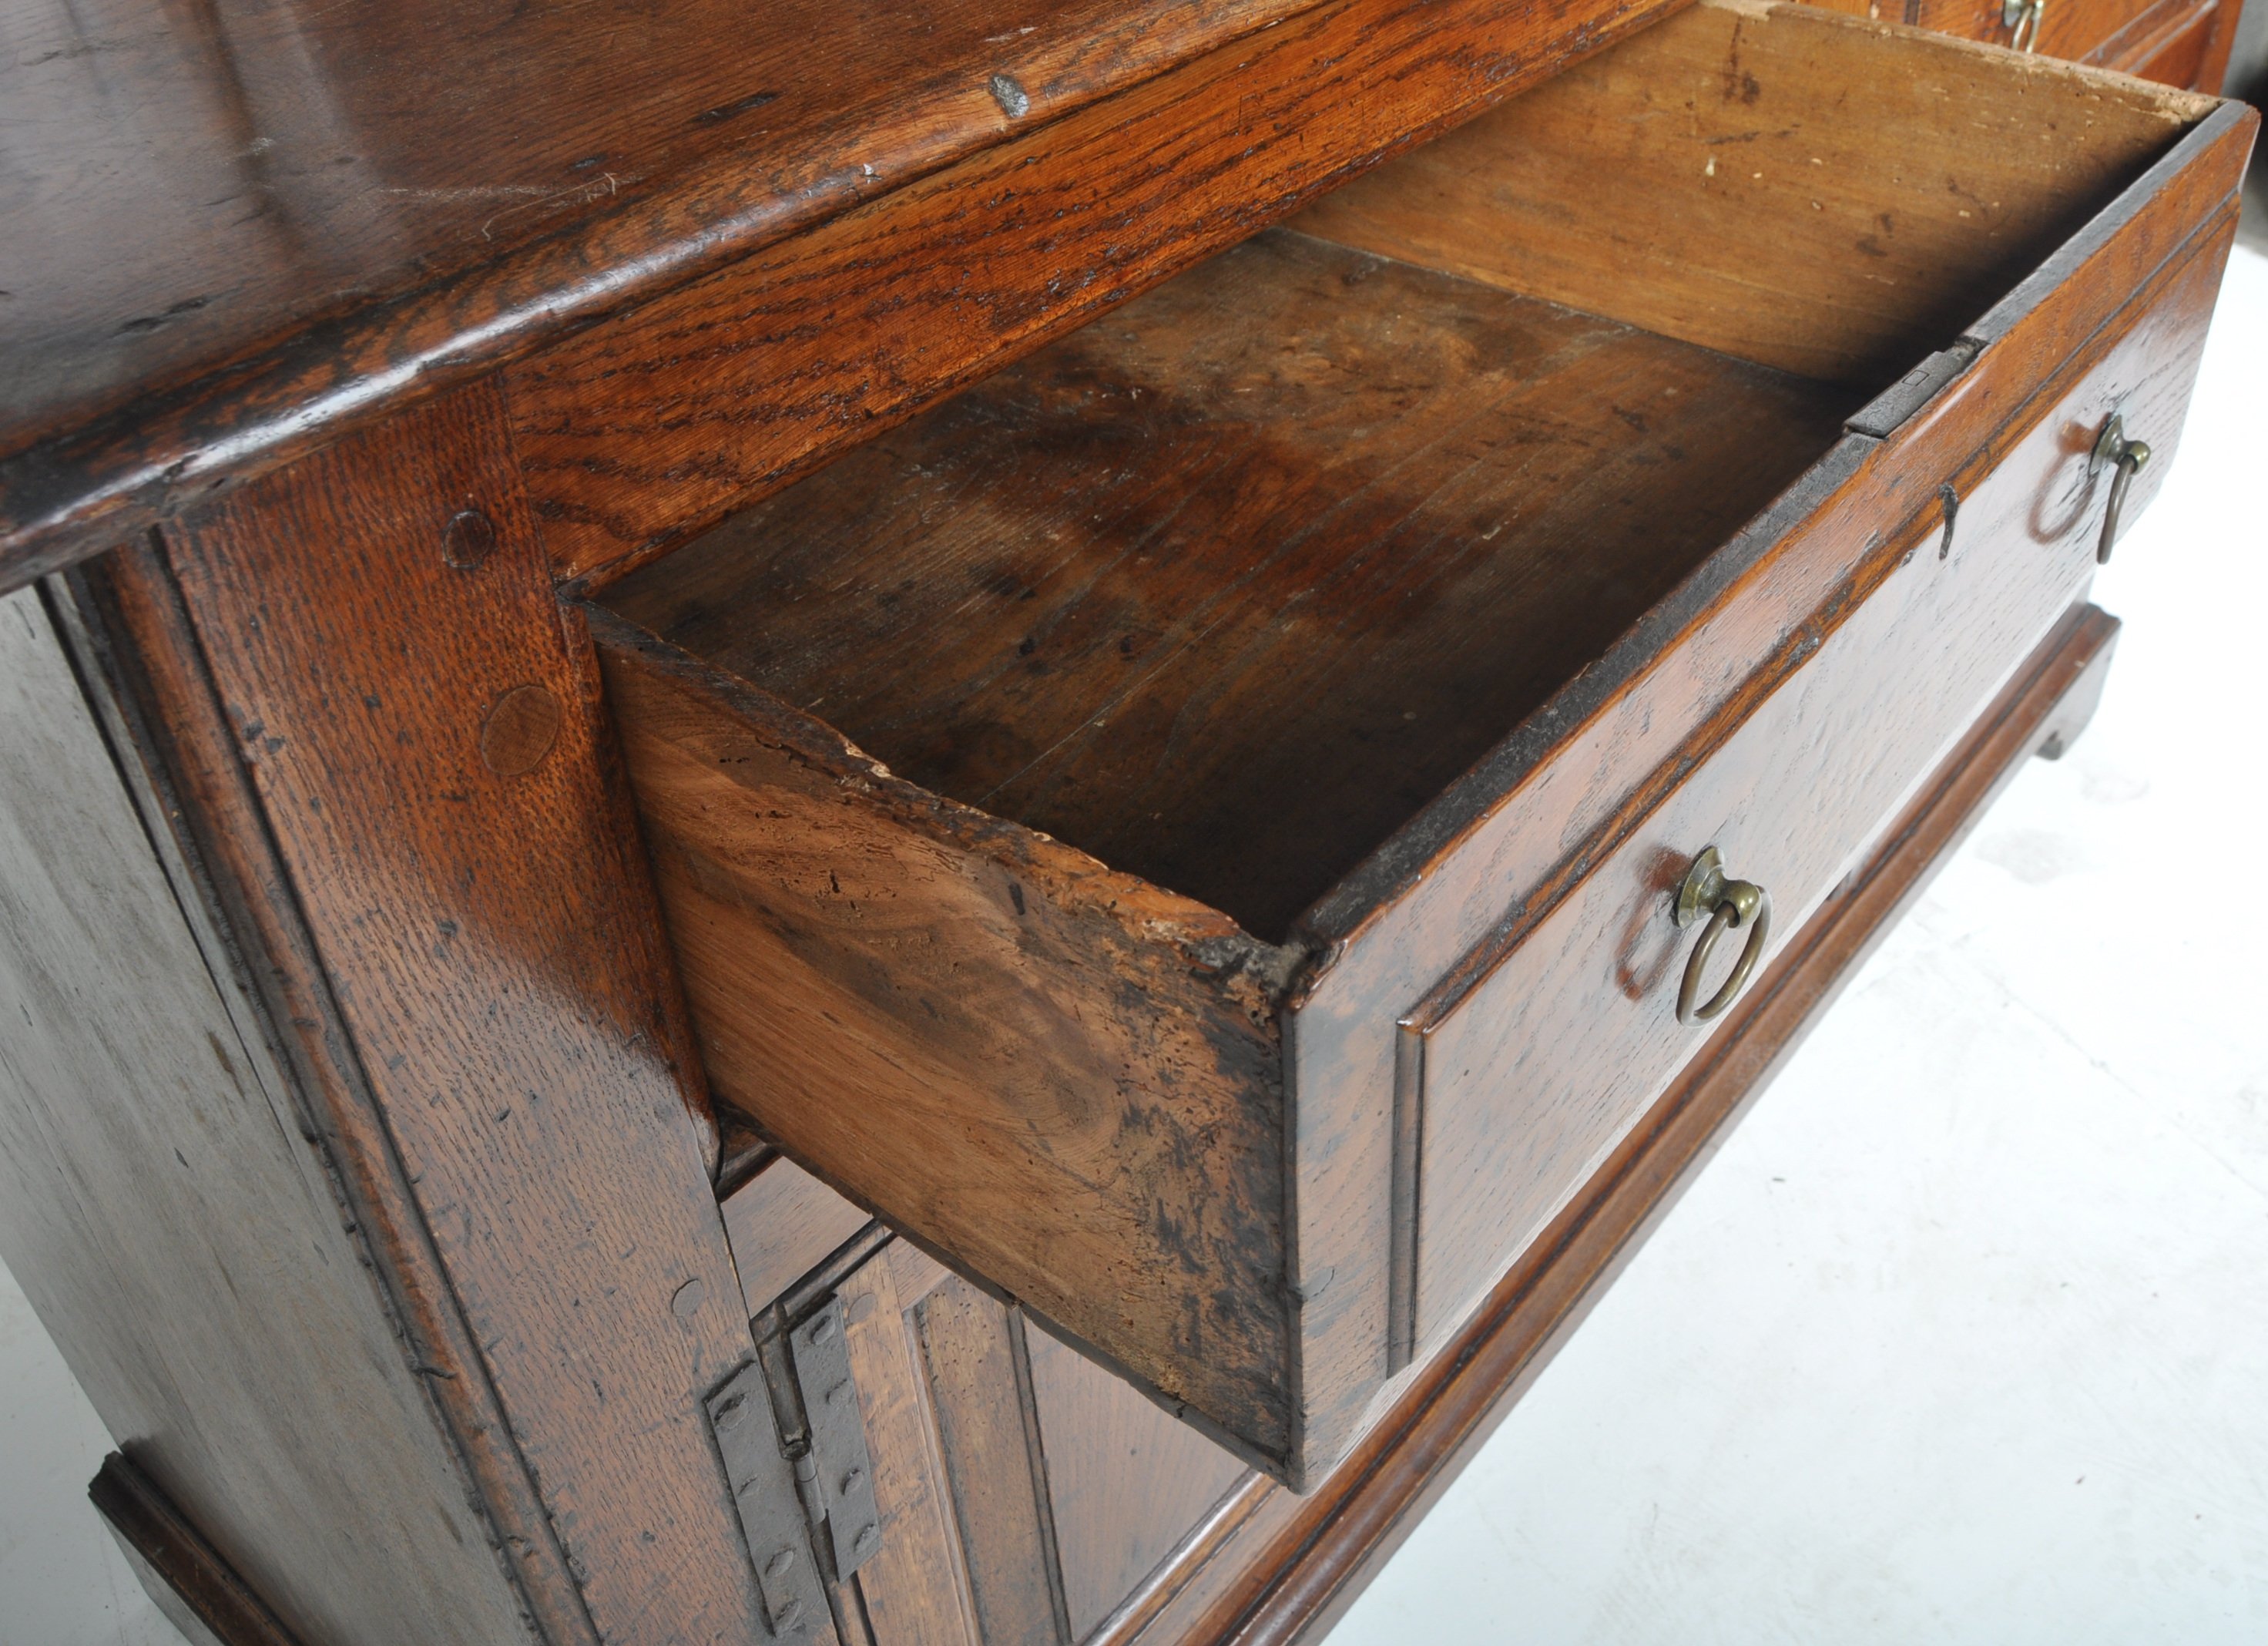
(993, 1042)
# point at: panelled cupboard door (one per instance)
(1127, 1483)
(1025, 1494)
(915, 1590)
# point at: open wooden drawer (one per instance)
(1189, 830)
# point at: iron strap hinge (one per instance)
(846, 1522)
(793, 1442)
(757, 1468)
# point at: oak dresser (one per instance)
(924, 824)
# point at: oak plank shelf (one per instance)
(865, 825)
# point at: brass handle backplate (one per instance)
(1707, 895)
(2128, 457)
(2023, 17)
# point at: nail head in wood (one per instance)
(1014, 101)
(469, 538)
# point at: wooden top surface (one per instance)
(276, 214)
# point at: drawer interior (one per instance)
(1226, 587)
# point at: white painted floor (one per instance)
(1965, 1335)
(63, 1582)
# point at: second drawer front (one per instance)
(1521, 1071)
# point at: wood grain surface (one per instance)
(1037, 1492)
(1225, 588)
(1793, 189)
(144, 645)
(1505, 843)
(383, 743)
(974, 1355)
(360, 206)
(170, 1217)
(495, 952)
(813, 891)
(1126, 1481)
(1266, 1565)
(1062, 1075)
(783, 1222)
(915, 1589)
(2177, 42)
(198, 1591)
(1513, 1119)
(398, 148)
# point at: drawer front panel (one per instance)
(1525, 1066)
(1496, 853)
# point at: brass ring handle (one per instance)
(2127, 458)
(1726, 904)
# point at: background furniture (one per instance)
(2180, 43)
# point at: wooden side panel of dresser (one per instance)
(415, 725)
(166, 1203)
